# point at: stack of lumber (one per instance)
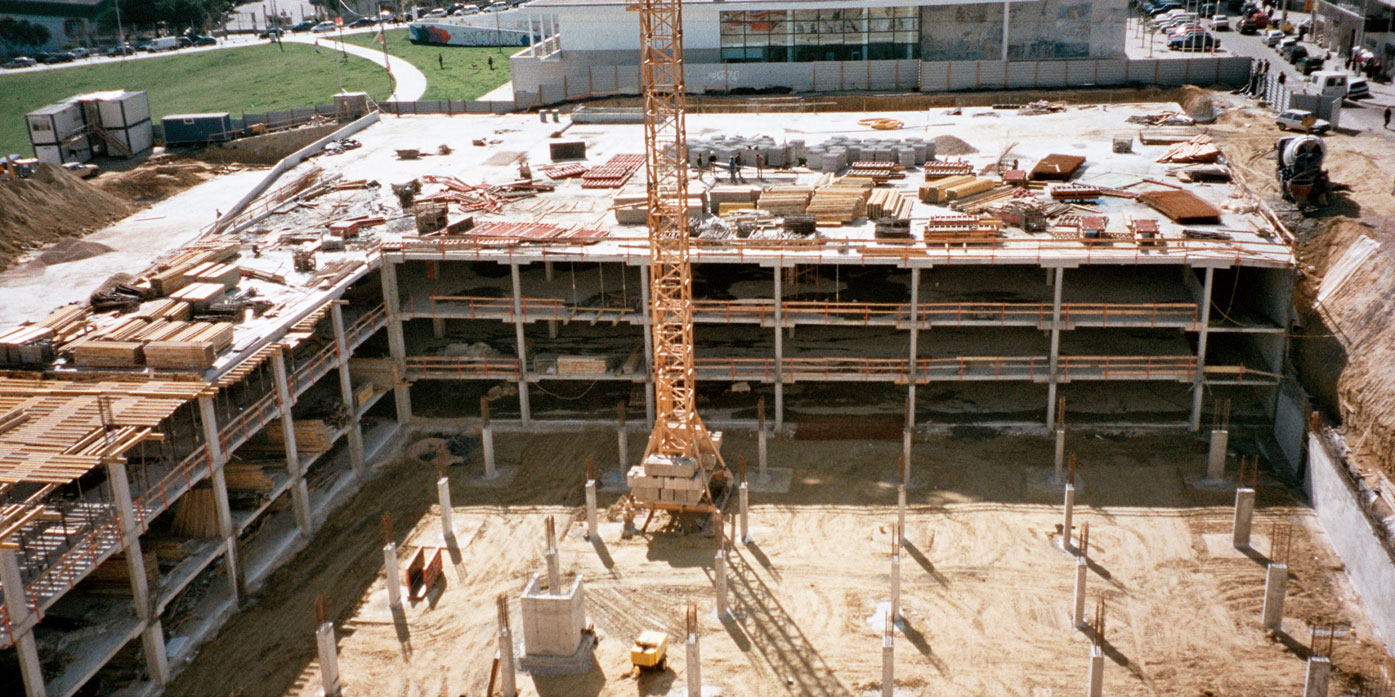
(195, 515)
(943, 191)
(672, 481)
(31, 345)
(163, 308)
(840, 202)
(732, 193)
(113, 577)
(180, 355)
(200, 295)
(311, 435)
(107, 354)
(225, 275)
(1198, 149)
(170, 276)
(247, 478)
(785, 200)
(581, 365)
(981, 201)
(363, 392)
(888, 203)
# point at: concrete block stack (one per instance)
(671, 480)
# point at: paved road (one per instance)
(410, 82)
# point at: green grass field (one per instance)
(251, 79)
(466, 75)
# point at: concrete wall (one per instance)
(267, 149)
(1370, 564)
(1047, 29)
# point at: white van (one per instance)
(164, 43)
(1329, 82)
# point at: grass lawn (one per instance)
(467, 74)
(237, 80)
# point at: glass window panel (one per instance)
(733, 40)
(879, 25)
(906, 37)
(879, 12)
(855, 13)
(879, 37)
(806, 15)
(854, 26)
(806, 39)
(757, 39)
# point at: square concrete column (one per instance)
(507, 670)
(1082, 573)
(888, 665)
(1096, 688)
(393, 575)
(744, 497)
(723, 610)
(152, 635)
(1244, 513)
(1215, 457)
(1060, 459)
(346, 390)
(592, 528)
(397, 342)
(1316, 676)
(914, 353)
(329, 659)
(217, 458)
(779, 351)
(1066, 520)
(693, 668)
(523, 408)
(22, 621)
(1057, 279)
(300, 493)
(487, 439)
(1275, 585)
(1203, 334)
(447, 513)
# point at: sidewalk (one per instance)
(408, 82)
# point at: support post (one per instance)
(723, 610)
(394, 575)
(648, 347)
(622, 446)
(447, 513)
(554, 567)
(1096, 670)
(1053, 363)
(1007, 14)
(223, 507)
(694, 664)
(762, 457)
(1082, 572)
(300, 494)
(346, 392)
(744, 493)
(1244, 513)
(1275, 585)
(487, 440)
(906, 453)
(1198, 386)
(888, 663)
(507, 672)
(329, 659)
(1069, 512)
(438, 327)
(152, 635)
(896, 574)
(592, 531)
(1060, 459)
(779, 352)
(1215, 459)
(523, 409)
(22, 621)
(1316, 676)
(397, 342)
(914, 348)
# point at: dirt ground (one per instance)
(986, 591)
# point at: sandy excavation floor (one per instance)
(986, 604)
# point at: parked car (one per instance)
(438, 12)
(323, 27)
(1220, 23)
(272, 33)
(1272, 37)
(1199, 41)
(362, 22)
(1247, 26)
(20, 62)
(51, 58)
(1295, 53)
(1357, 88)
(1260, 19)
(202, 40)
(185, 42)
(79, 53)
(122, 50)
(307, 25)
(1310, 65)
(1301, 120)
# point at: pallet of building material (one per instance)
(27, 345)
(160, 330)
(785, 200)
(966, 189)
(1166, 135)
(363, 392)
(220, 334)
(887, 203)
(311, 435)
(195, 514)
(1197, 150)
(613, 174)
(732, 193)
(247, 478)
(567, 171)
(581, 365)
(948, 168)
(1056, 167)
(200, 295)
(113, 576)
(163, 308)
(981, 201)
(180, 355)
(226, 275)
(1074, 192)
(95, 353)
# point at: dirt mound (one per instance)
(50, 206)
(72, 249)
(950, 145)
(1197, 102)
(158, 180)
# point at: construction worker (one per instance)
(441, 59)
(734, 168)
(1387, 118)
(491, 62)
(760, 166)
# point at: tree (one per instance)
(23, 33)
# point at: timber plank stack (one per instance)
(247, 478)
(195, 515)
(664, 480)
(841, 202)
(311, 435)
(113, 577)
(888, 203)
(785, 200)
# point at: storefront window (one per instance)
(852, 34)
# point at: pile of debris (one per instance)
(1199, 149)
(1166, 118)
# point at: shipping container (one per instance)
(196, 129)
(121, 109)
(138, 139)
(55, 123)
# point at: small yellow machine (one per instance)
(650, 651)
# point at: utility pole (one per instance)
(339, 56)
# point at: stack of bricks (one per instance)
(672, 480)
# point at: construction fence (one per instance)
(447, 107)
(897, 76)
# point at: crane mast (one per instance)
(679, 439)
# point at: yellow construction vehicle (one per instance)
(650, 651)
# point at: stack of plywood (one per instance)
(785, 200)
(888, 203)
(311, 435)
(672, 481)
(113, 577)
(732, 193)
(107, 354)
(247, 478)
(226, 275)
(200, 295)
(195, 515)
(180, 355)
(841, 202)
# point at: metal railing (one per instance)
(365, 326)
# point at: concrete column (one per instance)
(648, 347)
(1053, 362)
(1275, 584)
(1069, 511)
(1198, 385)
(393, 575)
(1060, 459)
(592, 533)
(346, 391)
(901, 506)
(906, 452)
(888, 665)
(152, 636)
(622, 448)
(547, 265)
(762, 453)
(438, 327)
(1096, 671)
(523, 409)
(1082, 572)
(1007, 14)
(914, 347)
(447, 513)
(723, 611)
(223, 507)
(552, 329)
(744, 494)
(1244, 513)
(300, 494)
(1315, 679)
(22, 623)
(694, 666)
(779, 352)
(896, 583)
(554, 569)
(507, 671)
(1215, 459)
(329, 659)
(397, 342)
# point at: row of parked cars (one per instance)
(165, 43)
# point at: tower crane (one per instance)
(682, 469)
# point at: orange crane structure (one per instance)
(682, 469)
